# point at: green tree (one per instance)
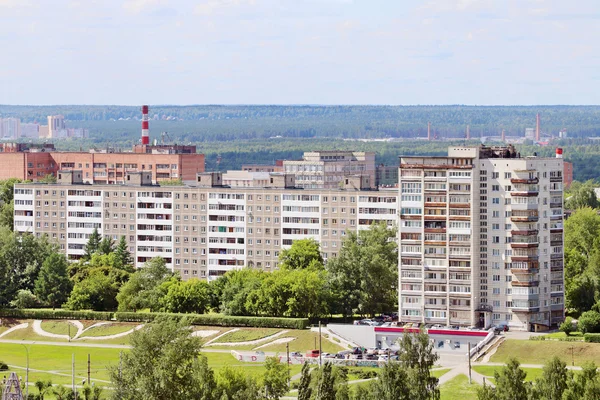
(233, 384)
(25, 299)
(93, 244)
(418, 357)
(326, 383)
(364, 276)
(162, 363)
(49, 178)
(239, 285)
(392, 383)
(581, 196)
(589, 322)
(7, 214)
(304, 388)
(91, 392)
(581, 293)
(302, 254)
(577, 383)
(98, 292)
(582, 229)
(553, 382)
(142, 289)
(123, 256)
(567, 326)
(510, 382)
(53, 285)
(486, 392)
(275, 379)
(61, 392)
(106, 246)
(192, 296)
(43, 387)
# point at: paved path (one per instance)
(249, 342)
(115, 336)
(14, 328)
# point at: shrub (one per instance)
(592, 337)
(219, 320)
(56, 314)
(589, 322)
(25, 299)
(567, 326)
(3, 366)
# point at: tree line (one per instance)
(361, 280)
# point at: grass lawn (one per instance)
(29, 334)
(59, 327)
(304, 340)
(247, 334)
(562, 335)
(458, 388)
(109, 329)
(488, 371)
(538, 352)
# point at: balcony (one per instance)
(459, 217)
(524, 193)
(532, 268)
(556, 205)
(525, 283)
(434, 230)
(435, 242)
(410, 217)
(556, 256)
(526, 181)
(531, 232)
(525, 309)
(525, 242)
(556, 179)
(435, 217)
(484, 308)
(433, 204)
(524, 216)
(460, 205)
(524, 257)
(556, 242)
(556, 229)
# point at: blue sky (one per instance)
(299, 52)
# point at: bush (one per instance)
(567, 326)
(219, 320)
(56, 314)
(589, 322)
(592, 337)
(3, 366)
(537, 338)
(25, 299)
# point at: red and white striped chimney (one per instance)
(145, 135)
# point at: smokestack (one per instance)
(537, 128)
(503, 136)
(468, 133)
(429, 131)
(145, 136)
(559, 152)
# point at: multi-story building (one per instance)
(203, 229)
(327, 169)
(56, 124)
(10, 128)
(481, 239)
(23, 161)
(386, 175)
(277, 167)
(568, 174)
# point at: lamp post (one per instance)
(26, 372)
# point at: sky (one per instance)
(399, 52)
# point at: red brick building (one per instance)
(567, 174)
(18, 160)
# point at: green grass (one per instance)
(107, 330)
(59, 327)
(458, 388)
(488, 371)
(538, 352)
(29, 334)
(304, 340)
(562, 335)
(247, 334)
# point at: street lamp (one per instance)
(26, 372)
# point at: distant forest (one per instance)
(263, 134)
(226, 123)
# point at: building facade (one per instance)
(481, 239)
(205, 229)
(327, 169)
(29, 162)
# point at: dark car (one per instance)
(503, 327)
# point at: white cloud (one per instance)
(211, 7)
(137, 6)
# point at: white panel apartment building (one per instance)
(204, 229)
(481, 239)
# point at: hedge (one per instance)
(55, 314)
(219, 320)
(592, 337)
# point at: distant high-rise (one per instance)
(10, 128)
(56, 124)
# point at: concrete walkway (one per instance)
(14, 328)
(247, 343)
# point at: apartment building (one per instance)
(481, 239)
(24, 161)
(328, 169)
(205, 228)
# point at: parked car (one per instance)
(501, 327)
(328, 355)
(312, 354)
(295, 354)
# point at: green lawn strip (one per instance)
(108, 330)
(304, 340)
(247, 334)
(59, 327)
(458, 388)
(562, 335)
(29, 334)
(488, 371)
(538, 352)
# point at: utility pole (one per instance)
(89, 365)
(73, 375)
(69, 328)
(572, 357)
(26, 373)
(320, 347)
(287, 350)
(120, 363)
(469, 355)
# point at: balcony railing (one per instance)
(525, 283)
(527, 181)
(531, 232)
